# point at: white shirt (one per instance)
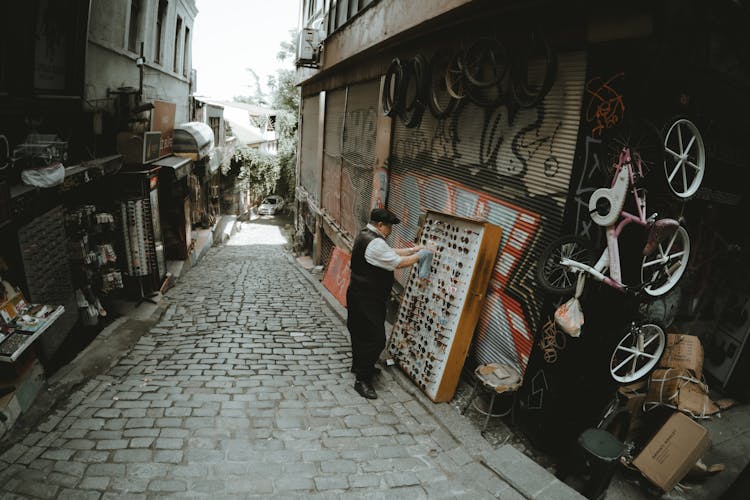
(380, 254)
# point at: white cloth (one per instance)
(380, 254)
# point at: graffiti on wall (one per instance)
(511, 295)
(605, 105)
(509, 143)
(509, 166)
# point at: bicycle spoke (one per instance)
(676, 169)
(684, 179)
(676, 155)
(696, 167)
(690, 145)
(679, 137)
(625, 362)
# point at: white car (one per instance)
(270, 205)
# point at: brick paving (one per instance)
(243, 390)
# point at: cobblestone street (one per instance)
(243, 389)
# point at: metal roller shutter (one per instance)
(513, 171)
(309, 157)
(359, 155)
(335, 109)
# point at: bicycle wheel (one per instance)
(637, 353)
(439, 101)
(553, 276)
(663, 267)
(532, 78)
(685, 159)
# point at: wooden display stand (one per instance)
(438, 314)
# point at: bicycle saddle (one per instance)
(606, 204)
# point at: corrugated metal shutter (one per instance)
(359, 155)
(335, 108)
(309, 157)
(513, 171)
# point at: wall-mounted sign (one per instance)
(162, 120)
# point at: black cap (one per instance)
(383, 215)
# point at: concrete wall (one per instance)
(110, 65)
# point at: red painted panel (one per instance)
(336, 278)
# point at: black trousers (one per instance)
(366, 323)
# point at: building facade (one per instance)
(508, 112)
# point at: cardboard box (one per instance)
(685, 352)
(673, 450)
(679, 389)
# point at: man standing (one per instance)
(373, 262)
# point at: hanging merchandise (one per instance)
(438, 314)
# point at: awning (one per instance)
(180, 165)
(193, 139)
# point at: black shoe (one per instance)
(365, 389)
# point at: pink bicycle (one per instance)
(665, 255)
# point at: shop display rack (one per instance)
(438, 314)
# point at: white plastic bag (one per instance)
(44, 177)
(569, 317)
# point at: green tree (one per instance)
(275, 173)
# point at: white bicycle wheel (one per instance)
(665, 265)
(637, 353)
(685, 158)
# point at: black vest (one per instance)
(367, 279)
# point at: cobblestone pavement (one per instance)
(243, 389)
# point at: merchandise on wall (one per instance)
(21, 323)
(141, 231)
(94, 264)
(442, 301)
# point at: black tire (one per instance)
(525, 93)
(485, 51)
(550, 275)
(392, 88)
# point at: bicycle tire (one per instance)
(633, 351)
(391, 88)
(412, 107)
(478, 96)
(523, 92)
(454, 76)
(551, 276)
(440, 104)
(485, 49)
(697, 160)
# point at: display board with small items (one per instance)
(438, 313)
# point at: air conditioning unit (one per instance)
(308, 48)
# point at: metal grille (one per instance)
(309, 154)
(512, 170)
(349, 154)
(335, 108)
(43, 248)
(326, 249)
(358, 153)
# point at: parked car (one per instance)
(271, 205)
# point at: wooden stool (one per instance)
(498, 379)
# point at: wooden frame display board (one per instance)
(438, 314)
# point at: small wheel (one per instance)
(556, 278)
(637, 353)
(685, 159)
(663, 267)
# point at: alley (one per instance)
(243, 389)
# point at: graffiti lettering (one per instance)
(606, 105)
(551, 341)
(589, 181)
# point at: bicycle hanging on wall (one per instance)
(665, 256)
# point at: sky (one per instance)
(232, 35)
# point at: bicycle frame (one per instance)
(610, 258)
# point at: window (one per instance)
(160, 20)
(134, 30)
(177, 29)
(186, 52)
